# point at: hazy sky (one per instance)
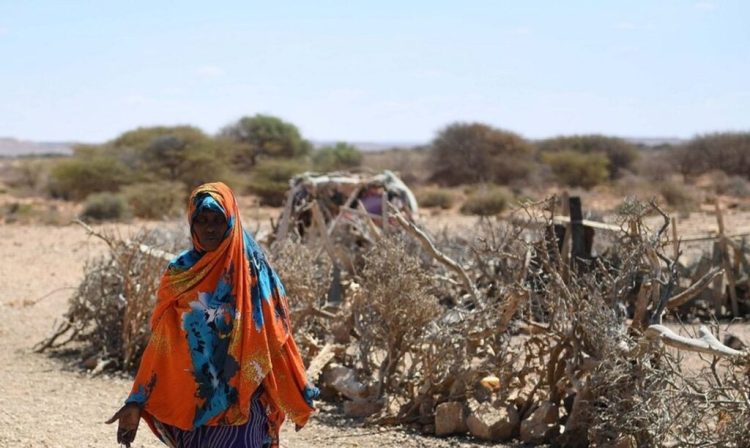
(376, 70)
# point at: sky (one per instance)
(375, 71)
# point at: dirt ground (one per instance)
(50, 402)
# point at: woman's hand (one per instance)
(127, 419)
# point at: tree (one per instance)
(577, 169)
(475, 152)
(725, 151)
(620, 153)
(180, 153)
(338, 157)
(265, 136)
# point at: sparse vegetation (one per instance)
(436, 198)
(486, 201)
(577, 169)
(155, 200)
(105, 206)
(467, 153)
(270, 179)
(341, 156)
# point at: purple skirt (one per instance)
(253, 434)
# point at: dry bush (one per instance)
(435, 198)
(306, 277)
(108, 315)
(155, 200)
(105, 207)
(486, 201)
(392, 314)
(678, 195)
(411, 165)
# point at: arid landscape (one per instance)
(51, 401)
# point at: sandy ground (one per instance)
(48, 402)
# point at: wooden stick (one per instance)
(321, 225)
(439, 256)
(326, 354)
(344, 208)
(707, 343)
(693, 290)
(675, 240)
(283, 228)
(727, 262)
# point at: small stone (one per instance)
(450, 418)
(487, 422)
(541, 425)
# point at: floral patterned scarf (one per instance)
(220, 329)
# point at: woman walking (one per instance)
(221, 368)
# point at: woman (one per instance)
(221, 368)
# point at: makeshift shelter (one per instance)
(360, 199)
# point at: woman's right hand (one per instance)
(127, 419)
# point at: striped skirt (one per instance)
(253, 434)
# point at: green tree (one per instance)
(341, 156)
(577, 169)
(265, 136)
(180, 153)
(475, 152)
(620, 153)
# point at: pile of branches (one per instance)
(499, 335)
(107, 321)
(502, 337)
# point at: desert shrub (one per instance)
(465, 153)
(393, 312)
(341, 156)
(306, 277)
(104, 207)
(620, 153)
(486, 201)
(30, 175)
(270, 179)
(577, 169)
(155, 200)
(435, 198)
(88, 173)
(728, 152)
(677, 195)
(411, 164)
(734, 185)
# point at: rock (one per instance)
(491, 382)
(487, 422)
(428, 429)
(344, 381)
(450, 418)
(361, 408)
(541, 425)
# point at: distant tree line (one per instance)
(153, 168)
(257, 154)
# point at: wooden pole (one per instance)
(675, 241)
(726, 261)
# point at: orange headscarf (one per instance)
(220, 329)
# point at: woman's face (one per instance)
(210, 226)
